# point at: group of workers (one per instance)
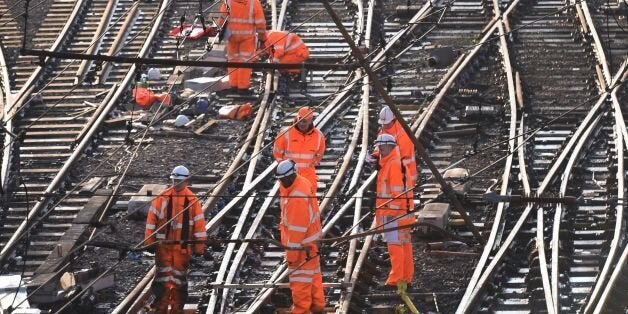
(244, 25)
(176, 225)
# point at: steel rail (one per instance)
(17, 100)
(117, 42)
(494, 237)
(612, 286)
(96, 40)
(7, 124)
(492, 267)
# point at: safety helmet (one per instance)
(180, 173)
(385, 116)
(305, 113)
(285, 168)
(385, 139)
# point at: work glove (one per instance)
(370, 159)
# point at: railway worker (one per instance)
(300, 227)
(245, 19)
(285, 47)
(391, 209)
(172, 259)
(302, 143)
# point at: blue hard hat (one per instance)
(201, 106)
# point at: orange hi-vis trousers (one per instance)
(240, 48)
(399, 248)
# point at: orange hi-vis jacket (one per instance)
(406, 148)
(287, 47)
(245, 17)
(305, 149)
(390, 185)
(300, 224)
(192, 221)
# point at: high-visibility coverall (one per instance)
(300, 226)
(246, 18)
(172, 260)
(286, 48)
(390, 185)
(305, 149)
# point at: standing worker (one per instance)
(285, 47)
(300, 228)
(302, 143)
(392, 210)
(172, 259)
(244, 19)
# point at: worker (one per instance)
(244, 19)
(285, 47)
(392, 211)
(174, 215)
(300, 228)
(302, 143)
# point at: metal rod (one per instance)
(417, 144)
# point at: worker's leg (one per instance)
(318, 295)
(247, 51)
(397, 263)
(180, 289)
(161, 284)
(233, 55)
(301, 288)
(408, 268)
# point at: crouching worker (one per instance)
(286, 47)
(392, 207)
(172, 253)
(300, 228)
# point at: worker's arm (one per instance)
(155, 213)
(279, 150)
(199, 226)
(397, 186)
(318, 156)
(297, 224)
(406, 146)
(224, 12)
(260, 20)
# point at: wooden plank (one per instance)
(200, 130)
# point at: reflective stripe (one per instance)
(160, 236)
(277, 149)
(164, 269)
(276, 60)
(199, 217)
(313, 237)
(300, 279)
(242, 32)
(299, 155)
(200, 234)
(176, 226)
(164, 204)
(159, 215)
(240, 20)
(397, 188)
(303, 164)
(293, 244)
(259, 21)
(294, 46)
(393, 206)
(383, 195)
(150, 226)
(170, 278)
(296, 228)
(296, 271)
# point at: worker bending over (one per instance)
(302, 143)
(245, 19)
(300, 228)
(172, 259)
(285, 47)
(391, 209)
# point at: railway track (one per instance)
(58, 126)
(458, 107)
(524, 284)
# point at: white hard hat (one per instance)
(285, 168)
(180, 173)
(181, 120)
(385, 139)
(385, 116)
